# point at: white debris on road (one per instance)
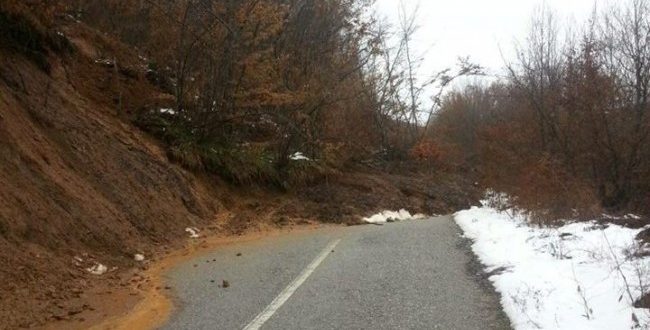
(391, 216)
(97, 269)
(193, 231)
(580, 276)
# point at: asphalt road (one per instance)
(408, 275)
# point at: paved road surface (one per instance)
(409, 275)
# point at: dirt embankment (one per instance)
(80, 185)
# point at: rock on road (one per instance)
(407, 275)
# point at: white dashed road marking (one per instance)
(273, 307)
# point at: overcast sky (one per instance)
(478, 28)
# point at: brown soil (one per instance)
(80, 184)
(148, 304)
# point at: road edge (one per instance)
(476, 270)
(156, 302)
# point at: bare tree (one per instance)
(400, 87)
(538, 72)
(625, 38)
(412, 64)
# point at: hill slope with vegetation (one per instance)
(123, 123)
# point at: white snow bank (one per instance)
(573, 277)
(299, 156)
(390, 216)
(97, 269)
(193, 231)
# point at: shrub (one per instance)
(434, 155)
(239, 163)
(552, 194)
(24, 29)
(20, 32)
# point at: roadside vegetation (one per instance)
(567, 131)
(253, 82)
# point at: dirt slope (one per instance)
(76, 180)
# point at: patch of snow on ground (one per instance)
(105, 61)
(168, 111)
(194, 232)
(390, 216)
(299, 156)
(572, 277)
(97, 269)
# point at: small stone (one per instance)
(239, 254)
(225, 284)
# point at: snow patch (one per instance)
(97, 269)
(193, 231)
(168, 111)
(579, 276)
(105, 62)
(391, 216)
(299, 156)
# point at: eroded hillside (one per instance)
(80, 184)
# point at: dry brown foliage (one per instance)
(568, 132)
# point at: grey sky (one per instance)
(478, 28)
